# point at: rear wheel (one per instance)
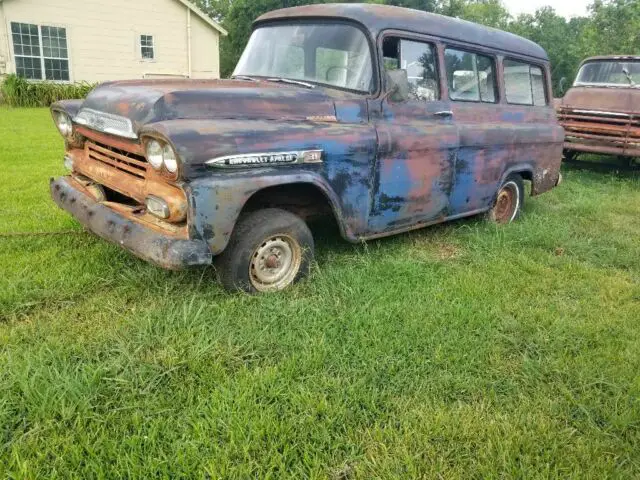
(509, 200)
(269, 250)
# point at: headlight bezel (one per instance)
(65, 127)
(170, 165)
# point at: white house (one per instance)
(99, 40)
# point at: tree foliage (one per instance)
(611, 27)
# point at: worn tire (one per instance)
(260, 233)
(508, 201)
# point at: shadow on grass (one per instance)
(328, 242)
(619, 167)
(328, 239)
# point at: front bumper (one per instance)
(607, 148)
(160, 249)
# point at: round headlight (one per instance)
(154, 154)
(64, 124)
(170, 160)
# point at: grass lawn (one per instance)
(459, 351)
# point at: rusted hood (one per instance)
(602, 99)
(148, 101)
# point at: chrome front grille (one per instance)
(127, 162)
(592, 125)
(105, 122)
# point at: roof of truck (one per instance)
(611, 57)
(381, 17)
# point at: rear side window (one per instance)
(471, 76)
(524, 83)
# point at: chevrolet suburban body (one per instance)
(386, 119)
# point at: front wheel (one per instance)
(570, 155)
(509, 200)
(269, 250)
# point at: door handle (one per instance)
(443, 113)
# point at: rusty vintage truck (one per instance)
(601, 111)
(387, 119)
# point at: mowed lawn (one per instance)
(460, 351)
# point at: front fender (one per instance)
(71, 107)
(217, 201)
(218, 196)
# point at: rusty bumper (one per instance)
(611, 148)
(162, 250)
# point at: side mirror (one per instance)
(398, 87)
(562, 85)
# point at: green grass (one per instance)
(459, 351)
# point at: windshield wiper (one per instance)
(292, 82)
(625, 70)
(243, 77)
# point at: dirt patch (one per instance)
(447, 251)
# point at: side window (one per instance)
(470, 76)
(537, 86)
(524, 83)
(419, 60)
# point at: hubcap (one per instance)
(275, 263)
(507, 203)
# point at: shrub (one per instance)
(18, 92)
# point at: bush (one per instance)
(18, 92)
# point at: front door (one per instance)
(484, 139)
(417, 143)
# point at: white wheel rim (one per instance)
(509, 193)
(275, 263)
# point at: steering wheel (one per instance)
(336, 67)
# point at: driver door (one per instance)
(417, 142)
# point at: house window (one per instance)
(146, 47)
(40, 51)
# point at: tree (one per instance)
(486, 12)
(614, 28)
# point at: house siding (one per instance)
(4, 45)
(103, 37)
(205, 59)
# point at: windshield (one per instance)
(336, 55)
(609, 73)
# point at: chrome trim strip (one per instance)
(605, 85)
(600, 112)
